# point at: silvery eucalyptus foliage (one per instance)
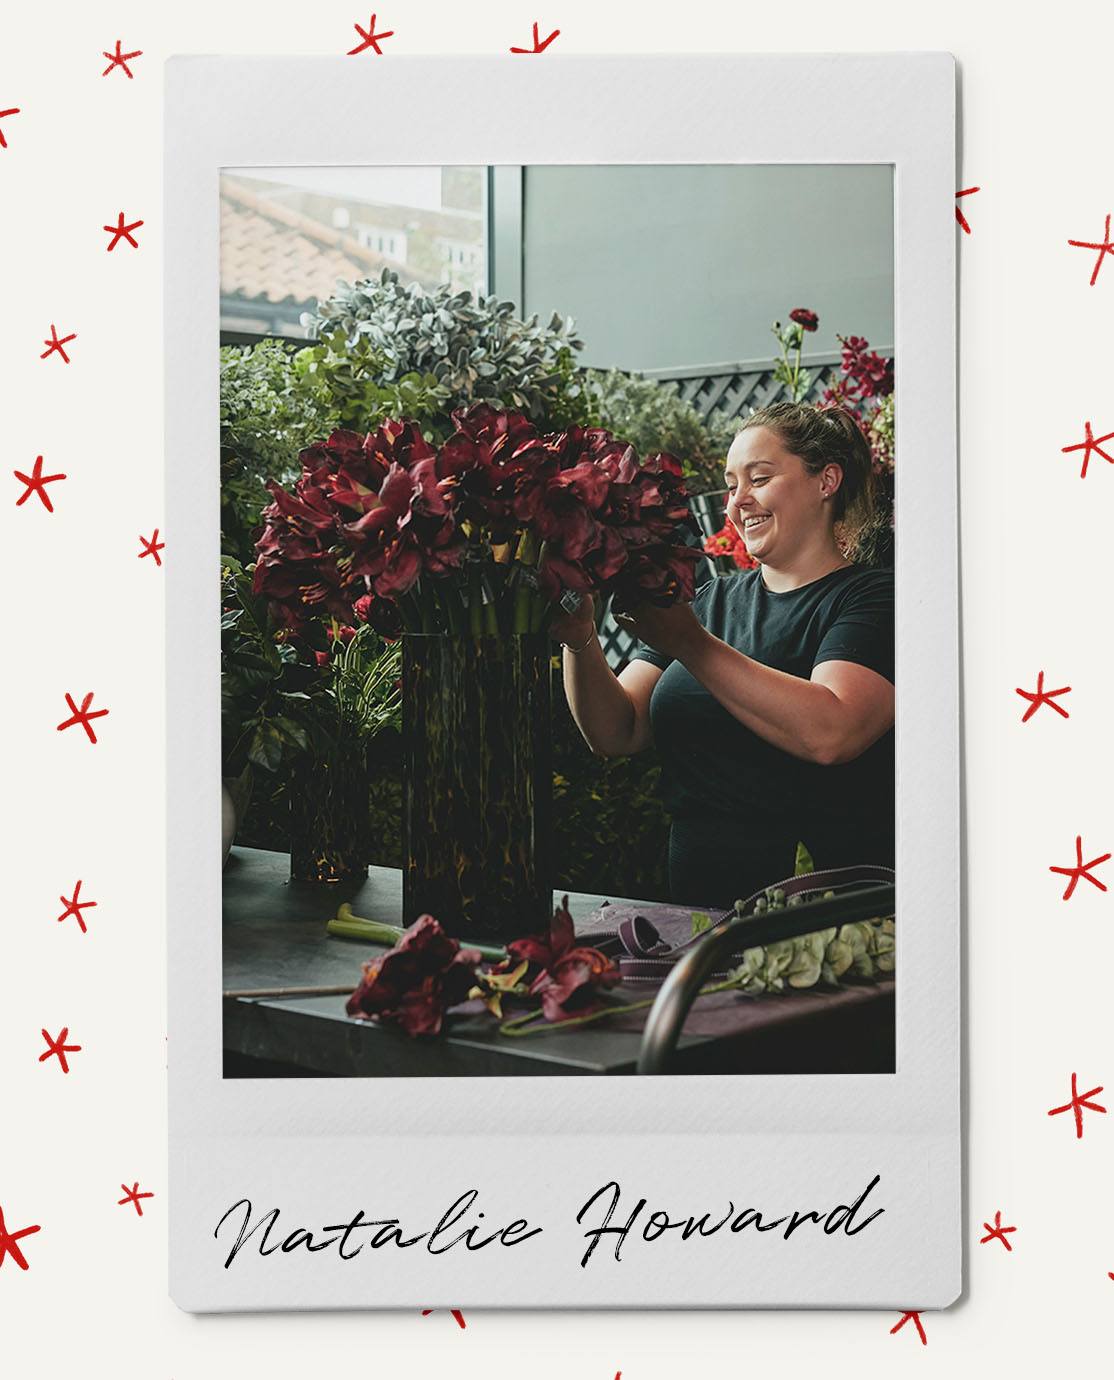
(477, 349)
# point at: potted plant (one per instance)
(305, 702)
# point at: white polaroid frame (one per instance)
(321, 1150)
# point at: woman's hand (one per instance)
(575, 629)
(673, 631)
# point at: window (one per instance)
(391, 243)
(288, 235)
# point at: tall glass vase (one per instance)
(477, 783)
(329, 818)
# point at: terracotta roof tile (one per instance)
(274, 254)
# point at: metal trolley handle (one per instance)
(733, 935)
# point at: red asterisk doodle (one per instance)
(457, 1314)
(1076, 1105)
(14, 110)
(538, 47)
(152, 547)
(132, 1195)
(1104, 248)
(58, 1047)
(55, 345)
(121, 60)
(36, 483)
(1081, 869)
(74, 907)
(1041, 696)
(916, 1322)
(1087, 445)
(83, 715)
(959, 214)
(370, 38)
(120, 231)
(8, 1241)
(997, 1232)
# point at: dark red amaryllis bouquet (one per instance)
(481, 535)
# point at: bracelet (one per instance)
(574, 650)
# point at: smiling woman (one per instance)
(770, 698)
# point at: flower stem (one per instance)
(522, 607)
(475, 606)
(530, 1024)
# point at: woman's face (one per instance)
(773, 502)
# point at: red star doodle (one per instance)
(120, 231)
(370, 38)
(13, 110)
(8, 1240)
(916, 1322)
(1077, 1104)
(74, 907)
(57, 1046)
(960, 217)
(121, 60)
(36, 483)
(54, 345)
(1087, 445)
(1080, 870)
(1042, 696)
(1106, 247)
(83, 715)
(132, 1195)
(539, 47)
(997, 1232)
(152, 547)
(457, 1314)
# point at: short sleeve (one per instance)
(640, 651)
(862, 630)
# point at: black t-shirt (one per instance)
(715, 768)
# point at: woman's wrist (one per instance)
(587, 641)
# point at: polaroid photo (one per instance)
(563, 467)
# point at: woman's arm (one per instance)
(829, 719)
(612, 712)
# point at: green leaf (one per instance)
(266, 748)
(701, 921)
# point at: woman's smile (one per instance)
(755, 526)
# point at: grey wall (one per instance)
(664, 266)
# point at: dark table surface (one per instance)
(274, 936)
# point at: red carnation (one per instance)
(807, 320)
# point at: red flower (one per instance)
(728, 542)
(572, 986)
(867, 374)
(376, 513)
(414, 984)
(409, 529)
(382, 614)
(569, 977)
(296, 567)
(541, 951)
(807, 320)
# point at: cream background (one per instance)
(1035, 362)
